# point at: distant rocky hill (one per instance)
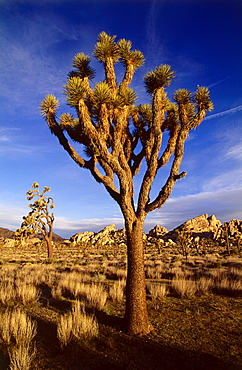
(9, 234)
(5, 233)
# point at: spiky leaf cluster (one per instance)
(172, 117)
(202, 98)
(182, 96)
(50, 104)
(160, 77)
(134, 57)
(66, 119)
(91, 150)
(75, 89)
(82, 63)
(102, 94)
(125, 96)
(106, 48)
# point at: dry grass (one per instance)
(15, 324)
(21, 357)
(16, 289)
(7, 292)
(5, 324)
(26, 293)
(17, 331)
(183, 287)
(76, 324)
(71, 285)
(204, 285)
(98, 283)
(116, 291)
(64, 329)
(157, 290)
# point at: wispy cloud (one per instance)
(70, 227)
(225, 204)
(235, 152)
(14, 143)
(224, 113)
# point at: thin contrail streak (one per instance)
(218, 82)
(224, 113)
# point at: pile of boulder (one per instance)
(201, 227)
(106, 237)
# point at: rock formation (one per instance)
(107, 236)
(158, 231)
(203, 226)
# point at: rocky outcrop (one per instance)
(106, 237)
(203, 226)
(232, 228)
(158, 231)
(82, 237)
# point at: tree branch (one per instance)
(57, 131)
(174, 174)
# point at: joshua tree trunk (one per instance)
(136, 320)
(48, 240)
(49, 247)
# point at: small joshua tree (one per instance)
(118, 137)
(39, 218)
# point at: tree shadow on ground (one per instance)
(4, 360)
(114, 350)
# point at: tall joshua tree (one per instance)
(119, 136)
(39, 219)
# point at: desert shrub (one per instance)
(64, 329)
(183, 287)
(18, 328)
(76, 324)
(26, 293)
(116, 291)
(7, 292)
(157, 290)
(21, 357)
(204, 284)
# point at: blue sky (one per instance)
(201, 40)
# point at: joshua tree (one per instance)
(119, 137)
(39, 218)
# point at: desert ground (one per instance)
(66, 313)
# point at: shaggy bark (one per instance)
(136, 320)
